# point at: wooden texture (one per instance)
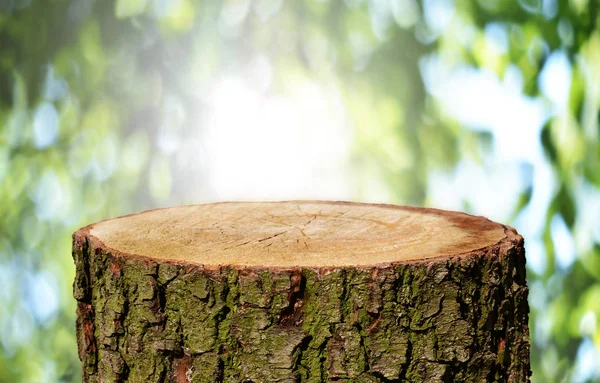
(292, 234)
(301, 292)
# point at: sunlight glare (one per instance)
(276, 146)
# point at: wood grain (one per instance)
(296, 234)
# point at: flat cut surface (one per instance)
(296, 234)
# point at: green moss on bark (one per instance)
(461, 319)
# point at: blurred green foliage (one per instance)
(97, 96)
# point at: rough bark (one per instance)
(454, 318)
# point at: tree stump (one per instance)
(301, 292)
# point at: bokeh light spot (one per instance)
(45, 125)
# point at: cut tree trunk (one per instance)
(301, 292)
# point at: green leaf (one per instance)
(547, 143)
(563, 204)
(129, 8)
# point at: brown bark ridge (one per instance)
(301, 291)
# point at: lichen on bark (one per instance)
(452, 319)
